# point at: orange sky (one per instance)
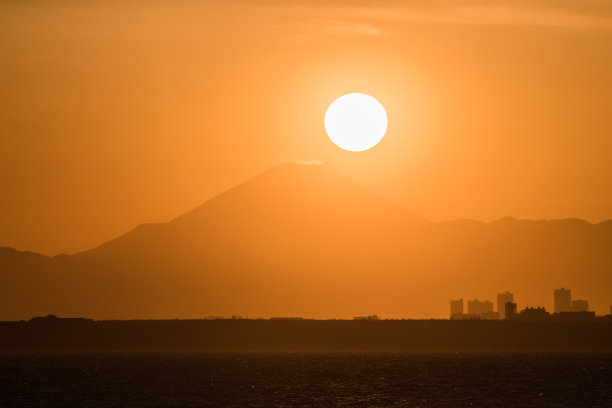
(116, 113)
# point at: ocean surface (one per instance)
(306, 380)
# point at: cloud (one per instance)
(510, 13)
(307, 20)
(324, 23)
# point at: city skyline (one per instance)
(565, 308)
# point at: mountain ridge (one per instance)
(308, 241)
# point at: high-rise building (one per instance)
(502, 299)
(477, 307)
(456, 307)
(563, 300)
(509, 310)
(579, 305)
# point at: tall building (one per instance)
(579, 305)
(563, 300)
(477, 307)
(502, 299)
(509, 310)
(456, 307)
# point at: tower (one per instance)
(509, 310)
(563, 300)
(477, 307)
(456, 307)
(502, 299)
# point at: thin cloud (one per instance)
(309, 20)
(310, 28)
(478, 13)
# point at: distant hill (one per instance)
(306, 240)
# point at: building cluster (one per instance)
(371, 317)
(565, 309)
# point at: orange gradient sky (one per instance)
(116, 113)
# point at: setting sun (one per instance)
(356, 122)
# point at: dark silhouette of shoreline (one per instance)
(227, 335)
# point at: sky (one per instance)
(117, 113)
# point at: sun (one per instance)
(356, 122)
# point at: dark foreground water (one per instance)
(306, 380)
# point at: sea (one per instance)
(306, 380)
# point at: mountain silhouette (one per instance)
(306, 240)
(289, 204)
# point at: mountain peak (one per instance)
(301, 190)
(289, 202)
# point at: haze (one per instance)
(113, 113)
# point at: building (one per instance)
(490, 316)
(563, 300)
(371, 317)
(532, 314)
(502, 299)
(456, 307)
(53, 319)
(510, 310)
(477, 307)
(579, 305)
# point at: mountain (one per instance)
(307, 240)
(290, 204)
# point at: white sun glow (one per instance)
(356, 122)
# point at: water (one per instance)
(306, 380)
